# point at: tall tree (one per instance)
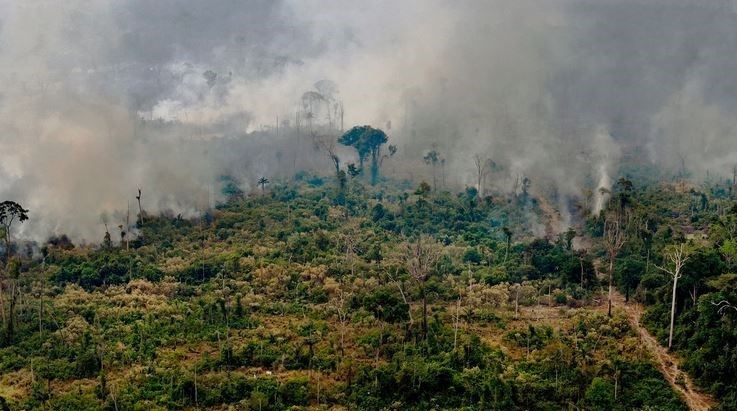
(311, 100)
(614, 239)
(263, 181)
(482, 169)
(433, 159)
(140, 208)
(367, 141)
(420, 258)
(10, 212)
(624, 193)
(508, 236)
(676, 257)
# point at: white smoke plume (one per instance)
(99, 98)
(606, 156)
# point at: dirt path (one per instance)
(667, 363)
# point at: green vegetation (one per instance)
(320, 293)
(690, 230)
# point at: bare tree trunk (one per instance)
(455, 331)
(424, 314)
(128, 242)
(693, 294)
(140, 208)
(40, 312)
(2, 303)
(678, 256)
(611, 272)
(672, 312)
(195, 387)
(420, 259)
(112, 395)
(409, 307)
(616, 384)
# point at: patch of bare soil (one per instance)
(667, 362)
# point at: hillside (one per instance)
(312, 297)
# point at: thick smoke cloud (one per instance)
(99, 98)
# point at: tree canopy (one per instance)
(367, 141)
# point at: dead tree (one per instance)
(341, 306)
(723, 307)
(614, 239)
(327, 144)
(482, 169)
(128, 242)
(456, 322)
(140, 209)
(420, 258)
(351, 247)
(677, 256)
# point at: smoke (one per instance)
(607, 154)
(100, 98)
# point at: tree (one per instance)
(310, 102)
(703, 262)
(10, 212)
(508, 236)
(482, 169)
(569, 235)
(629, 271)
(624, 193)
(353, 171)
(107, 242)
(367, 141)
(334, 107)
(433, 158)
(420, 258)
(392, 151)
(422, 189)
(340, 304)
(263, 181)
(677, 256)
(140, 208)
(327, 145)
(210, 77)
(614, 239)
(600, 394)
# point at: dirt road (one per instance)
(667, 363)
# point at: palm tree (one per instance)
(262, 182)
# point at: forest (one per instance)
(368, 205)
(359, 291)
